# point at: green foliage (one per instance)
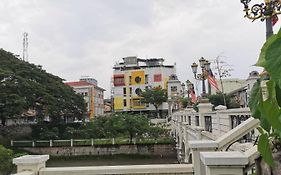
(6, 156)
(265, 104)
(185, 102)
(26, 87)
(217, 99)
(155, 96)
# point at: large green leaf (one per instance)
(255, 98)
(270, 56)
(262, 57)
(278, 94)
(265, 150)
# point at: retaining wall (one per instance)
(164, 150)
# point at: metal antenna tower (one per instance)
(25, 47)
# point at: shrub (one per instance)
(6, 156)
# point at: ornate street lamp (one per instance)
(205, 66)
(189, 86)
(263, 11)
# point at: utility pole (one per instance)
(25, 47)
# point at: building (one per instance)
(132, 76)
(230, 84)
(93, 95)
(241, 95)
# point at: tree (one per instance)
(218, 99)
(135, 125)
(27, 87)
(6, 156)
(155, 96)
(186, 101)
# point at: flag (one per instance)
(212, 80)
(192, 94)
(274, 19)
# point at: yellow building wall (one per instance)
(166, 79)
(135, 74)
(118, 103)
(92, 104)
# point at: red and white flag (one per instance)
(192, 94)
(212, 80)
(274, 19)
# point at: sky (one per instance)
(74, 38)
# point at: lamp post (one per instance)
(189, 87)
(183, 89)
(205, 66)
(263, 11)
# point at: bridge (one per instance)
(218, 142)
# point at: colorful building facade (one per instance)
(132, 76)
(93, 95)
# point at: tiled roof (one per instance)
(78, 83)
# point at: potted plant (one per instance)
(265, 103)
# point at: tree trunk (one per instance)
(3, 121)
(267, 170)
(157, 111)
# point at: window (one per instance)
(138, 91)
(130, 80)
(189, 120)
(130, 90)
(138, 79)
(174, 88)
(196, 120)
(124, 102)
(157, 78)
(146, 79)
(208, 123)
(124, 91)
(118, 80)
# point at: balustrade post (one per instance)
(216, 163)
(202, 109)
(71, 142)
(31, 163)
(51, 143)
(12, 143)
(198, 146)
(92, 142)
(198, 132)
(33, 144)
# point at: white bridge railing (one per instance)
(207, 145)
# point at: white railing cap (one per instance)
(31, 159)
(220, 107)
(233, 158)
(203, 144)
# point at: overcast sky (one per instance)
(71, 38)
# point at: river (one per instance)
(108, 160)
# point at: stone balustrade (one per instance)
(35, 165)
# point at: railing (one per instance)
(86, 142)
(26, 165)
(221, 143)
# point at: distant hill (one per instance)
(25, 87)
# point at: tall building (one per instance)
(93, 95)
(132, 76)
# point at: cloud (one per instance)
(71, 38)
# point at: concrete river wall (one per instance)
(163, 150)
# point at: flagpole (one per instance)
(269, 27)
(267, 11)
